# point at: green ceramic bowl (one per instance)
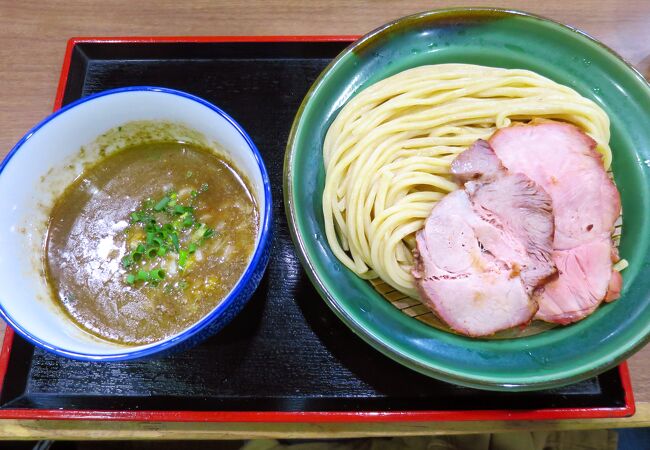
(493, 38)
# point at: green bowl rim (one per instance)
(315, 278)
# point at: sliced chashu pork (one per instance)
(516, 206)
(586, 204)
(484, 249)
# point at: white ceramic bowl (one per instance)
(39, 168)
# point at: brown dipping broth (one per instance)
(91, 231)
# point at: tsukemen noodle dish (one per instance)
(481, 194)
(149, 240)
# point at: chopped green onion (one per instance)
(173, 197)
(166, 223)
(182, 258)
(179, 209)
(189, 174)
(157, 274)
(162, 203)
(142, 275)
(188, 221)
(198, 234)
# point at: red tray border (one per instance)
(286, 417)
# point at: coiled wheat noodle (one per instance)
(387, 154)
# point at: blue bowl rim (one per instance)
(221, 307)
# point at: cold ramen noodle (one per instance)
(480, 192)
(149, 240)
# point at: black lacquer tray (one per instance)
(286, 357)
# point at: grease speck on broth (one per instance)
(91, 231)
